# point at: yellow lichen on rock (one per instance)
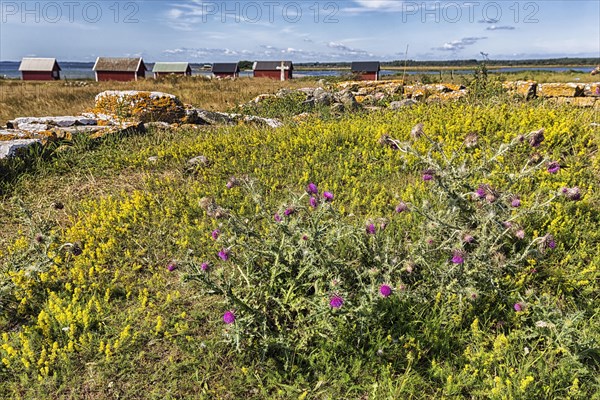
(560, 90)
(139, 106)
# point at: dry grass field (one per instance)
(18, 98)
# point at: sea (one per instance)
(83, 70)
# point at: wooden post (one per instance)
(283, 68)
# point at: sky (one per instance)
(301, 30)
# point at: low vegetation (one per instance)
(441, 251)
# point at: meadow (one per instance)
(346, 256)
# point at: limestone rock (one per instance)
(261, 97)
(139, 106)
(560, 90)
(157, 125)
(205, 117)
(337, 108)
(579, 101)
(348, 100)
(416, 92)
(526, 89)
(34, 124)
(406, 103)
(309, 91)
(446, 96)
(270, 122)
(592, 89)
(281, 93)
(322, 97)
(11, 134)
(10, 148)
(198, 161)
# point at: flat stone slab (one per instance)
(134, 93)
(560, 89)
(10, 134)
(11, 147)
(205, 117)
(37, 124)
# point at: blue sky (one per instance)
(302, 31)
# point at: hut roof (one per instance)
(39, 64)
(171, 67)
(271, 65)
(115, 64)
(366, 66)
(225, 68)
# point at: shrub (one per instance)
(306, 276)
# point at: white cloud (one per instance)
(503, 27)
(378, 4)
(201, 52)
(346, 50)
(458, 45)
(488, 21)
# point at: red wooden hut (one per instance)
(119, 69)
(282, 70)
(226, 70)
(366, 70)
(39, 69)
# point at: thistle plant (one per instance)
(292, 277)
(472, 234)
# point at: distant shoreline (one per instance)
(447, 68)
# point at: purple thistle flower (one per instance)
(536, 138)
(336, 302)
(553, 167)
(458, 257)
(328, 196)
(232, 182)
(573, 194)
(417, 131)
(520, 234)
(288, 212)
(224, 254)
(215, 234)
(204, 266)
(481, 191)
(518, 307)
(401, 207)
(172, 266)
(229, 317)
(468, 238)
(371, 229)
(547, 242)
(312, 189)
(313, 202)
(516, 202)
(304, 237)
(471, 140)
(385, 290)
(277, 217)
(428, 174)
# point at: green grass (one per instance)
(133, 215)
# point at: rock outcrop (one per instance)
(526, 89)
(114, 112)
(560, 90)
